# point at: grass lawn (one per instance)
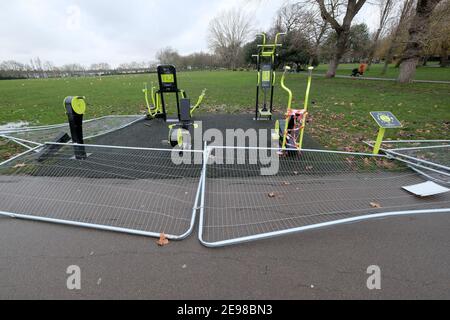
(431, 72)
(339, 116)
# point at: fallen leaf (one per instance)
(349, 149)
(285, 183)
(272, 195)
(375, 205)
(20, 165)
(163, 241)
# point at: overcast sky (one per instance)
(92, 31)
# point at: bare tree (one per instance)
(168, 56)
(316, 29)
(303, 18)
(103, 66)
(437, 41)
(13, 69)
(445, 35)
(331, 12)
(290, 17)
(228, 32)
(404, 17)
(417, 32)
(385, 8)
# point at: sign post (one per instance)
(385, 120)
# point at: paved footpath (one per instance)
(412, 252)
(382, 79)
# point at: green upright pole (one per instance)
(308, 90)
(379, 142)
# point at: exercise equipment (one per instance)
(168, 84)
(153, 110)
(179, 134)
(265, 64)
(75, 110)
(291, 131)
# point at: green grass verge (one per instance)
(432, 72)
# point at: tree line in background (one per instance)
(410, 33)
(37, 69)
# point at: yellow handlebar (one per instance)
(308, 89)
(199, 102)
(264, 36)
(277, 37)
(283, 85)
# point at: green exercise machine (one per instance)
(265, 64)
(168, 84)
(290, 132)
(75, 108)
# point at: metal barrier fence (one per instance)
(312, 189)
(131, 190)
(242, 194)
(34, 136)
(431, 158)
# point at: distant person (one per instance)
(359, 72)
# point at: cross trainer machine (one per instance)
(265, 63)
(291, 131)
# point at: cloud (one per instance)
(90, 31)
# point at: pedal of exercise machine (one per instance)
(265, 113)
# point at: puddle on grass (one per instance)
(14, 125)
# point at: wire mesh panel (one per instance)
(140, 191)
(436, 156)
(91, 128)
(430, 158)
(253, 194)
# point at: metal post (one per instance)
(379, 142)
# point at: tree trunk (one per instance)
(414, 48)
(341, 46)
(408, 70)
(444, 54)
(332, 68)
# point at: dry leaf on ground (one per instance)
(163, 241)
